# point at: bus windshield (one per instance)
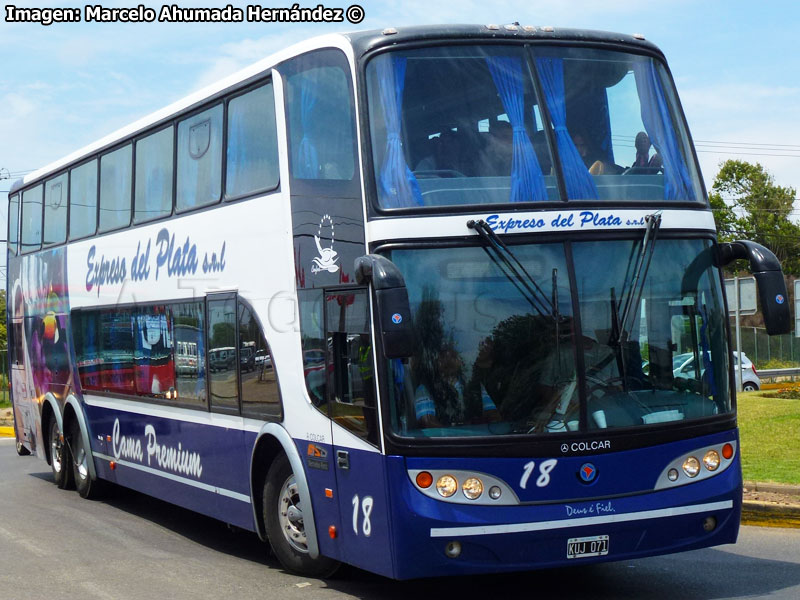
(497, 351)
(465, 125)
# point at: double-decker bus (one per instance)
(403, 299)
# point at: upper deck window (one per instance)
(13, 223)
(115, 188)
(200, 159)
(457, 125)
(55, 211)
(617, 130)
(83, 200)
(463, 125)
(153, 185)
(32, 219)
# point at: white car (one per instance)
(683, 366)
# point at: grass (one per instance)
(770, 432)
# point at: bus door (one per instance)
(352, 401)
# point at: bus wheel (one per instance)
(60, 457)
(86, 486)
(283, 516)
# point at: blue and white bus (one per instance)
(403, 299)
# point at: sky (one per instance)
(66, 85)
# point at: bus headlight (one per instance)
(711, 460)
(691, 466)
(472, 488)
(446, 485)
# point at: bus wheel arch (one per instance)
(266, 449)
(56, 445)
(74, 426)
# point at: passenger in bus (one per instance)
(592, 157)
(499, 150)
(643, 158)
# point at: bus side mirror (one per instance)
(391, 303)
(766, 268)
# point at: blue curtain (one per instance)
(307, 161)
(658, 124)
(576, 176)
(527, 182)
(398, 186)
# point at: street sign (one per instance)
(747, 295)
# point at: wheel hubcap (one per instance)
(81, 460)
(290, 516)
(55, 449)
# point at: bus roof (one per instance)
(361, 42)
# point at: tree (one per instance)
(749, 205)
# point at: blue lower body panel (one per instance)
(525, 537)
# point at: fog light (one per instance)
(453, 549)
(709, 524)
(711, 460)
(446, 485)
(691, 466)
(672, 475)
(495, 492)
(472, 488)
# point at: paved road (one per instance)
(53, 544)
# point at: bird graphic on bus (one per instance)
(326, 261)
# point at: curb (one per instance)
(7, 432)
(770, 515)
(775, 488)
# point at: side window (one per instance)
(104, 347)
(190, 371)
(312, 339)
(154, 341)
(115, 188)
(83, 200)
(32, 219)
(352, 376)
(133, 352)
(222, 353)
(13, 223)
(55, 211)
(200, 160)
(321, 118)
(153, 196)
(252, 152)
(260, 395)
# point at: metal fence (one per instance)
(762, 348)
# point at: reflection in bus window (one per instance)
(260, 395)
(222, 354)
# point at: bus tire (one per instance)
(284, 525)
(87, 487)
(60, 457)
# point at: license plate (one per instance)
(587, 546)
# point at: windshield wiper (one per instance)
(516, 273)
(640, 268)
